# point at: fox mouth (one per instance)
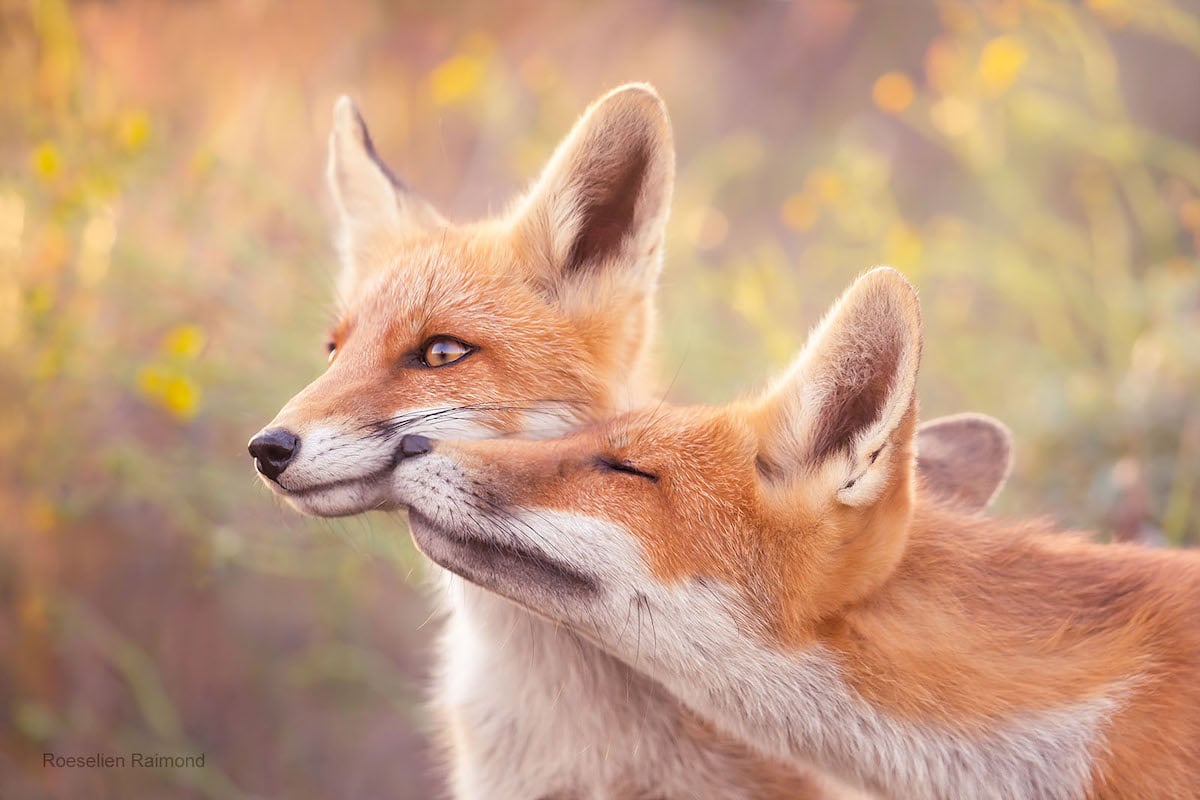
(339, 498)
(331, 486)
(521, 574)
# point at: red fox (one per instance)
(528, 325)
(779, 566)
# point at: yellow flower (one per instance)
(893, 92)
(46, 161)
(133, 130)
(455, 79)
(48, 365)
(181, 396)
(39, 300)
(1000, 62)
(185, 341)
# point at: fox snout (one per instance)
(272, 450)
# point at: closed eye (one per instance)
(613, 465)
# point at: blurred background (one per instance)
(166, 274)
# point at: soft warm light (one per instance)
(893, 92)
(1000, 63)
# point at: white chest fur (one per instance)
(547, 714)
(799, 707)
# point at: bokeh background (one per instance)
(165, 285)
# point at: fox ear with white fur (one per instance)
(374, 207)
(845, 411)
(595, 219)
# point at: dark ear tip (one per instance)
(347, 119)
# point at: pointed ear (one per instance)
(597, 214)
(964, 459)
(846, 409)
(373, 206)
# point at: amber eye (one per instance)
(444, 350)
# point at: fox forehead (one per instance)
(455, 277)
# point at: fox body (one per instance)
(529, 325)
(783, 570)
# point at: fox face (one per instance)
(523, 325)
(774, 512)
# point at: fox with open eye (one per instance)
(528, 324)
(781, 568)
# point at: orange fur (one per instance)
(934, 616)
(557, 299)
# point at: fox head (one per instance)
(765, 517)
(527, 324)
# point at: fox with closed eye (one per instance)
(528, 325)
(780, 566)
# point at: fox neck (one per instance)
(977, 670)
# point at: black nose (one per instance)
(273, 450)
(414, 444)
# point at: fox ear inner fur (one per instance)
(598, 212)
(374, 207)
(847, 406)
(964, 459)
